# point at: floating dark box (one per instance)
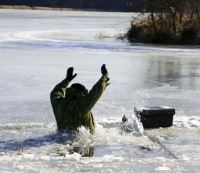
(154, 117)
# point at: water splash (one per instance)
(141, 97)
(83, 137)
(133, 126)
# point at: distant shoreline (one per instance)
(24, 7)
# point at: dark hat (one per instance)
(80, 87)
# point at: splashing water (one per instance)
(141, 97)
(133, 126)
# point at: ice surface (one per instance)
(187, 121)
(36, 47)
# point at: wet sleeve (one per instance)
(86, 103)
(59, 90)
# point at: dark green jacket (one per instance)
(72, 109)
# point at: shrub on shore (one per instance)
(168, 23)
(186, 33)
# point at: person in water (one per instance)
(72, 105)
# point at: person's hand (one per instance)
(104, 70)
(70, 75)
(105, 73)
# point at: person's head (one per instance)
(80, 87)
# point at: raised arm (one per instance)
(87, 102)
(59, 90)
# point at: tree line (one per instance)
(106, 5)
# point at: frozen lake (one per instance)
(36, 47)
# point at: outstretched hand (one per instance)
(70, 75)
(104, 70)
